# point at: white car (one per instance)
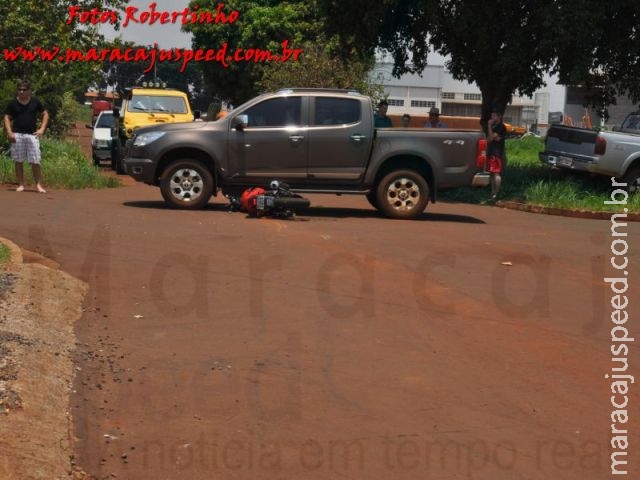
(101, 140)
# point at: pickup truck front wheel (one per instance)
(186, 184)
(402, 194)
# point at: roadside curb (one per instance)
(16, 257)
(563, 212)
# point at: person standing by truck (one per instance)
(496, 133)
(380, 118)
(434, 119)
(20, 125)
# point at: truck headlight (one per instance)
(146, 138)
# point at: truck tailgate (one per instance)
(569, 139)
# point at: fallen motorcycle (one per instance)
(278, 201)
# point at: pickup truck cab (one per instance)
(315, 140)
(612, 153)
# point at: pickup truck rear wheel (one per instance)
(186, 184)
(402, 194)
(632, 179)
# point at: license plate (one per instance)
(565, 161)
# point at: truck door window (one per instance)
(336, 111)
(276, 112)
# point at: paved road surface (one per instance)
(471, 344)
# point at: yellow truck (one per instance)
(149, 106)
(145, 106)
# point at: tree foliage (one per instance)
(121, 75)
(504, 46)
(32, 24)
(320, 68)
(601, 50)
(265, 24)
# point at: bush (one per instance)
(66, 116)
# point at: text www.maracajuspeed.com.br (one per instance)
(153, 55)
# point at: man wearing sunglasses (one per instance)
(21, 126)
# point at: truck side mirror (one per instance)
(240, 122)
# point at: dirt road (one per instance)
(471, 344)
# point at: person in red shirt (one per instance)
(496, 133)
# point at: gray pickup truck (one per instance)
(315, 140)
(612, 153)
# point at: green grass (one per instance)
(527, 180)
(64, 165)
(4, 255)
(84, 114)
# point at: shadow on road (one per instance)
(161, 205)
(322, 212)
(337, 212)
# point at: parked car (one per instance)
(102, 137)
(315, 140)
(612, 153)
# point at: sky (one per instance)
(166, 35)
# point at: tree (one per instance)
(601, 51)
(31, 25)
(319, 68)
(504, 46)
(265, 24)
(262, 24)
(121, 75)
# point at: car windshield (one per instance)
(105, 121)
(157, 104)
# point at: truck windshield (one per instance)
(632, 122)
(157, 104)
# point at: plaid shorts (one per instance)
(26, 147)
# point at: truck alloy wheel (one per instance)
(187, 184)
(402, 194)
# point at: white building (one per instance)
(435, 87)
